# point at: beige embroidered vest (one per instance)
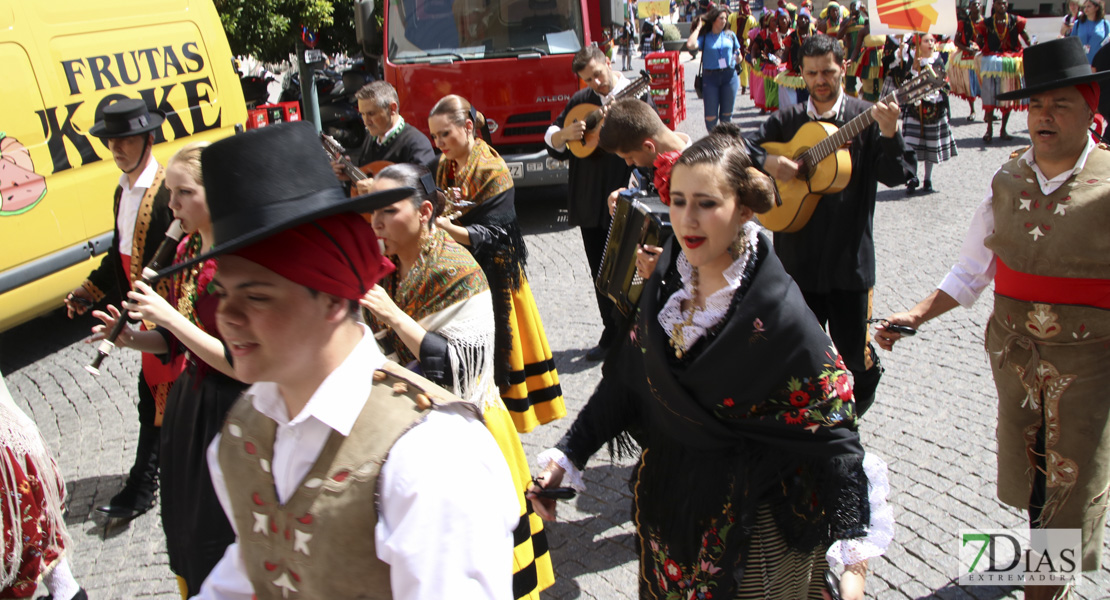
(1063, 234)
(320, 543)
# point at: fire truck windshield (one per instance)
(447, 30)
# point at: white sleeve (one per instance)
(880, 531)
(572, 477)
(552, 130)
(974, 270)
(446, 520)
(228, 580)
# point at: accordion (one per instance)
(639, 219)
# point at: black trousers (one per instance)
(844, 315)
(593, 241)
(144, 473)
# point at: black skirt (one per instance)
(197, 531)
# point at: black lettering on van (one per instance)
(170, 60)
(153, 66)
(56, 136)
(195, 97)
(99, 65)
(193, 56)
(73, 69)
(163, 105)
(121, 65)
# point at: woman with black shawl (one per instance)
(482, 217)
(751, 468)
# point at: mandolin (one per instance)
(353, 172)
(592, 115)
(824, 165)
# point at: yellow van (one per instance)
(61, 62)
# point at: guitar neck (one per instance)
(337, 152)
(842, 136)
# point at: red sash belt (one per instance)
(1051, 290)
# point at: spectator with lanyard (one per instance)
(1091, 28)
(721, 50)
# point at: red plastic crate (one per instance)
(291, 110)
(257, 117)
(661, 62)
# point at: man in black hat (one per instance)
(344, 474)
(142, 216)
(1040, 235)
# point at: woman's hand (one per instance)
(147, 305)
(109, 320)
(457, 232)
(552, 476)
(378, 302)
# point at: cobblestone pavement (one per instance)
(933, 421)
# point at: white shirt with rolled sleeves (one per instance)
(447, 503)
(974, 270)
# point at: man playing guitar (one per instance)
(832, 258)
(388, 137)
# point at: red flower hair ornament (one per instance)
(662, 179)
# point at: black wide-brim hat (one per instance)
(125, 118)
(1053, 65)
(271, 179)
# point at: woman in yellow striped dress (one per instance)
(480, 188)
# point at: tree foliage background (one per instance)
(269, 29)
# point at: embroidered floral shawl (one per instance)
(758, 412)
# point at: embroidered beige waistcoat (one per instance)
(320, 543)
(1063, 234)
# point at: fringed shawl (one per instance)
(446, 293)
(24, 455)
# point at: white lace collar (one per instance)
(673, 319)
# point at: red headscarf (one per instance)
(1090, 93)
(337, 255)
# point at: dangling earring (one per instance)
(735, 249)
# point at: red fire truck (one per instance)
(509, 58)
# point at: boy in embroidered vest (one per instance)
(142, 216)
(342, 473)
(1041, 236)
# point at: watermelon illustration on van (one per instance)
(20, 187)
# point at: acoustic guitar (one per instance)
(824, 165)
(591, 114)
(354, 172)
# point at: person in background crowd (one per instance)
(480, 190)
(962, 75)
(626, 40)
(1000, 39)
(925, 123)
(792, 87)
(335, 455)
(142, 216)
(742, 23)
(1040, 236)
(737, 478)
(720, 55)
(864, 54)
(32, 512)
(389, 139)
(1091, 28)
(434, 314)
(832, 258)
(1070, 17)
(593, 177)
(830, 18)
